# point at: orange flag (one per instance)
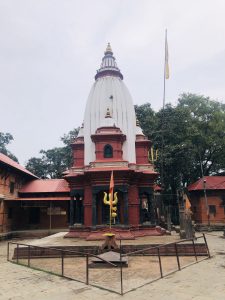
(111, 187)
(187, 202)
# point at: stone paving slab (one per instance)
(205, 280)
(59, 240)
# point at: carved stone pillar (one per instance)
(72, 211)
(125, 199)
(94, 213)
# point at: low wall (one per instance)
(23, 252)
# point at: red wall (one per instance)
(200, 211)
(134, 208)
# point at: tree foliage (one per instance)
(193, 134)
(55, 161)
(5, 140)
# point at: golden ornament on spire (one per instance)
(108, 48)
(108, 115)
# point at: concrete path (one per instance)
(202, 281)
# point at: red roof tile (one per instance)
(60, 198)
(157, 188)
(46, 186)
(8, 161)
(212, 183)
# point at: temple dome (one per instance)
(109, 92)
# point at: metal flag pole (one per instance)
(166, 76)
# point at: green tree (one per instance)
(5, 140)
(147, 119)
(54, 162)
(194, 134)
(38, 167)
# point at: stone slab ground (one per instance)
(205, 280)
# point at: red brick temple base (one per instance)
(120, 233)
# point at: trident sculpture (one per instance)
(112, 202)
(153, 155)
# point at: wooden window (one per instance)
(11, 187)
(108, 151)
(212, 209)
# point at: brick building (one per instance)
(207, 197)
(27, 202)
(12, 177)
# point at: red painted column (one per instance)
(134, 207)
(87, 205)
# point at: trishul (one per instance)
(112, 204)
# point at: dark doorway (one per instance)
(147, 211)
(78, 209)
(34, 215)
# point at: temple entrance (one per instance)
(78, 209)
(34, 215)
(102, 210)
(147, 214)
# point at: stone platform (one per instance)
(121, 233)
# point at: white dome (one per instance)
(81, 131)
(109, 92)
(139, 131)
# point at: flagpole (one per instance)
(110, 223)
(111, 188)
(163, 112)
(164, 83)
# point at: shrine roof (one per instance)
(64, 198)
(105, 169)
(211, 183)
(157, 188)
(46, 186)
(9, 162)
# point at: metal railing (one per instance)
(23, 254)
(157, 250)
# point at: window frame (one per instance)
(108, 154)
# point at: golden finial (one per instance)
(108, 48)
(108, 115)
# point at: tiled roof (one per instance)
(60, 198)
(8, 161)
(212, 183)
(157, 188)
(46, 186)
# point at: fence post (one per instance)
(62, 257)
(206, 245)
(178, 261)
(29, 256)
(17, 253)
(8, 251)
(194, 250)
(87, 269)
(160, 264)
(121, 271)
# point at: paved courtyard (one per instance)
(204, 280)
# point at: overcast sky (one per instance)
(50, 51)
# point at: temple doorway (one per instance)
(78, 209)
(147, 214)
